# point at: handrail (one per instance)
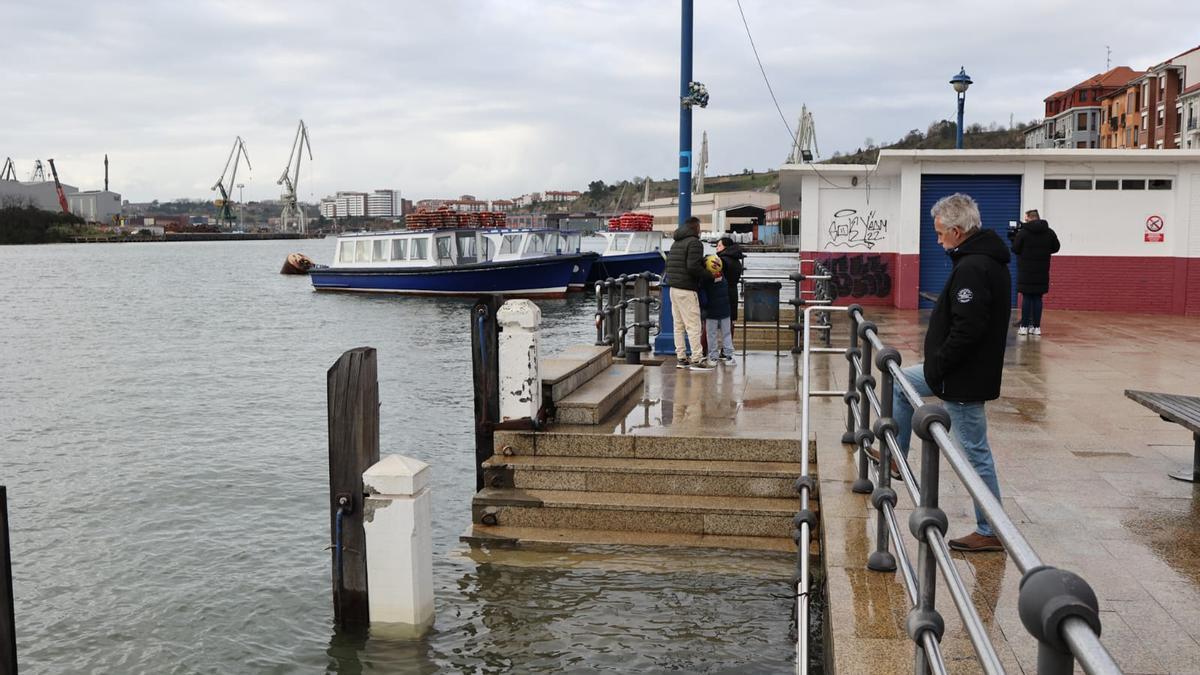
(1067, 634)
(611, 306)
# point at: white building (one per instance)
(1128, 220)
(383, 204)
(742, 211)
(344, 204)
(95, 206)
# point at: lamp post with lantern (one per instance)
(960, 82)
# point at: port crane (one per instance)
(39, 173)
(235, 156)
(62, 197)
(804, 144)
(9, 172)
(290, 180)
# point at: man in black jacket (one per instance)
(685, 271)
(964, 346)
(1034, 242)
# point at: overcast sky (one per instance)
(496, 98)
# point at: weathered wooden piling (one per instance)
(353, 398)
(485, 360)
(8, 624)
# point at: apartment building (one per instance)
(1189, 105)
(1073, 115)
(383, 204)
(344, 204)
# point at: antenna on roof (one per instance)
(1107, 58)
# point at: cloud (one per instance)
(500, 97)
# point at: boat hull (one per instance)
(537, 278)
(609, 266)
(582, 272)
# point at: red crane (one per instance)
(62, 197)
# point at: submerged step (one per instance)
(536, 537)
(718, 448)
(636, 512)
(658, 476)
(592, 402)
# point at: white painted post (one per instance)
(520, 382)
(397, 519)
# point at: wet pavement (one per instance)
(1083, 474)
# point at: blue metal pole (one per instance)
(962, 97)
(665, 342)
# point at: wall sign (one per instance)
(1154, 226)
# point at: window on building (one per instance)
(1160, 184)
(1133, 184)
(399, 248)
(1081, 122)
(1161, 117)
(1080, 184)
(1081, 144)
(1106, 184)
(1054, 184)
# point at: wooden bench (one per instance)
(1182, 410)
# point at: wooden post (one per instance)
(353, 395)
(485, 361)
(8, 624)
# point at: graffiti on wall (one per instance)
(849, 228)
(860, 275)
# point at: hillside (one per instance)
(940, 136)
(627, 194)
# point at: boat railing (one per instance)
(614, 297)
(1058, 608)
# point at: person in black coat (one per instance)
(732, 266)
(684, 274)
(1034, 243)
(964, 346)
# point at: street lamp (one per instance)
(960, 82)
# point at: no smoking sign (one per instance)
(1154, 226)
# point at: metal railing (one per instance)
(1057, 607)
(614, 296)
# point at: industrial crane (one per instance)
(62, 197)
(290, 180)
(39, 173)
(9, 172)
(235, 156)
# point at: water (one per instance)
(163, 440)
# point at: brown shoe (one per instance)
(873, 453)
(976, 543)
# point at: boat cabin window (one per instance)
(378, 250)
(487, 248)
(536, 244)
(511, 244)
(419, 250)
(621, 242)
(573, 242)
(398, 248)
(445, 250)
(466, 248)
(346, 251)
(362, 251)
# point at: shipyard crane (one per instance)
(39, 173)
(804, 145)
(235, 156)
(9, 172)
(62, 197)
(290, 180)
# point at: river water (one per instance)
(163, 441)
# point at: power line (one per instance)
(764, 73)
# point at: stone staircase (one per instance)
(548, 488)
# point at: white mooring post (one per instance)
(397, 515)
(520, 382)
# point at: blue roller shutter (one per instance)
(999, 199)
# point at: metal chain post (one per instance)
(600, 313)
(863, 436)
(622, 307)
(924, 617)
(851, 396)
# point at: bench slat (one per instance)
(1182, 410)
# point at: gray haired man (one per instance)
(964, 346)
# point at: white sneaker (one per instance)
(1036, 330)
(1023, 330)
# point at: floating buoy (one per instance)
(297, 263)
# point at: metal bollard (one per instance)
(851, 396)
(610, 322)
(881, 559)
(924, 617)
(641, 318)
(622, 307)
(797, 303)
(863, 435)
(599, 313)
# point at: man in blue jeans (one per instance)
(964, 346)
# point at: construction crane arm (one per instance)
(62, 197)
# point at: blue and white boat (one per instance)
(525, 263)
(629, 253)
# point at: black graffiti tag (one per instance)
(859, 275)
(848, 228)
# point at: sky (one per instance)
(497, 98)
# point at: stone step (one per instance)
(658, 476)
(712, 448)
(633, 512)
(592, 402)
(569, 370)
(499, 536)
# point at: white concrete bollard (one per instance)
(397, 520)
(520, 382)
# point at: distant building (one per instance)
(559, 197)
(383, 204)
(344, 205)
(1189, 104)
(503, 205)
(740, 211)
(1161, 88)
(1073, 115)
(95, 206)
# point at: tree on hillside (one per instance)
(596, 189)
